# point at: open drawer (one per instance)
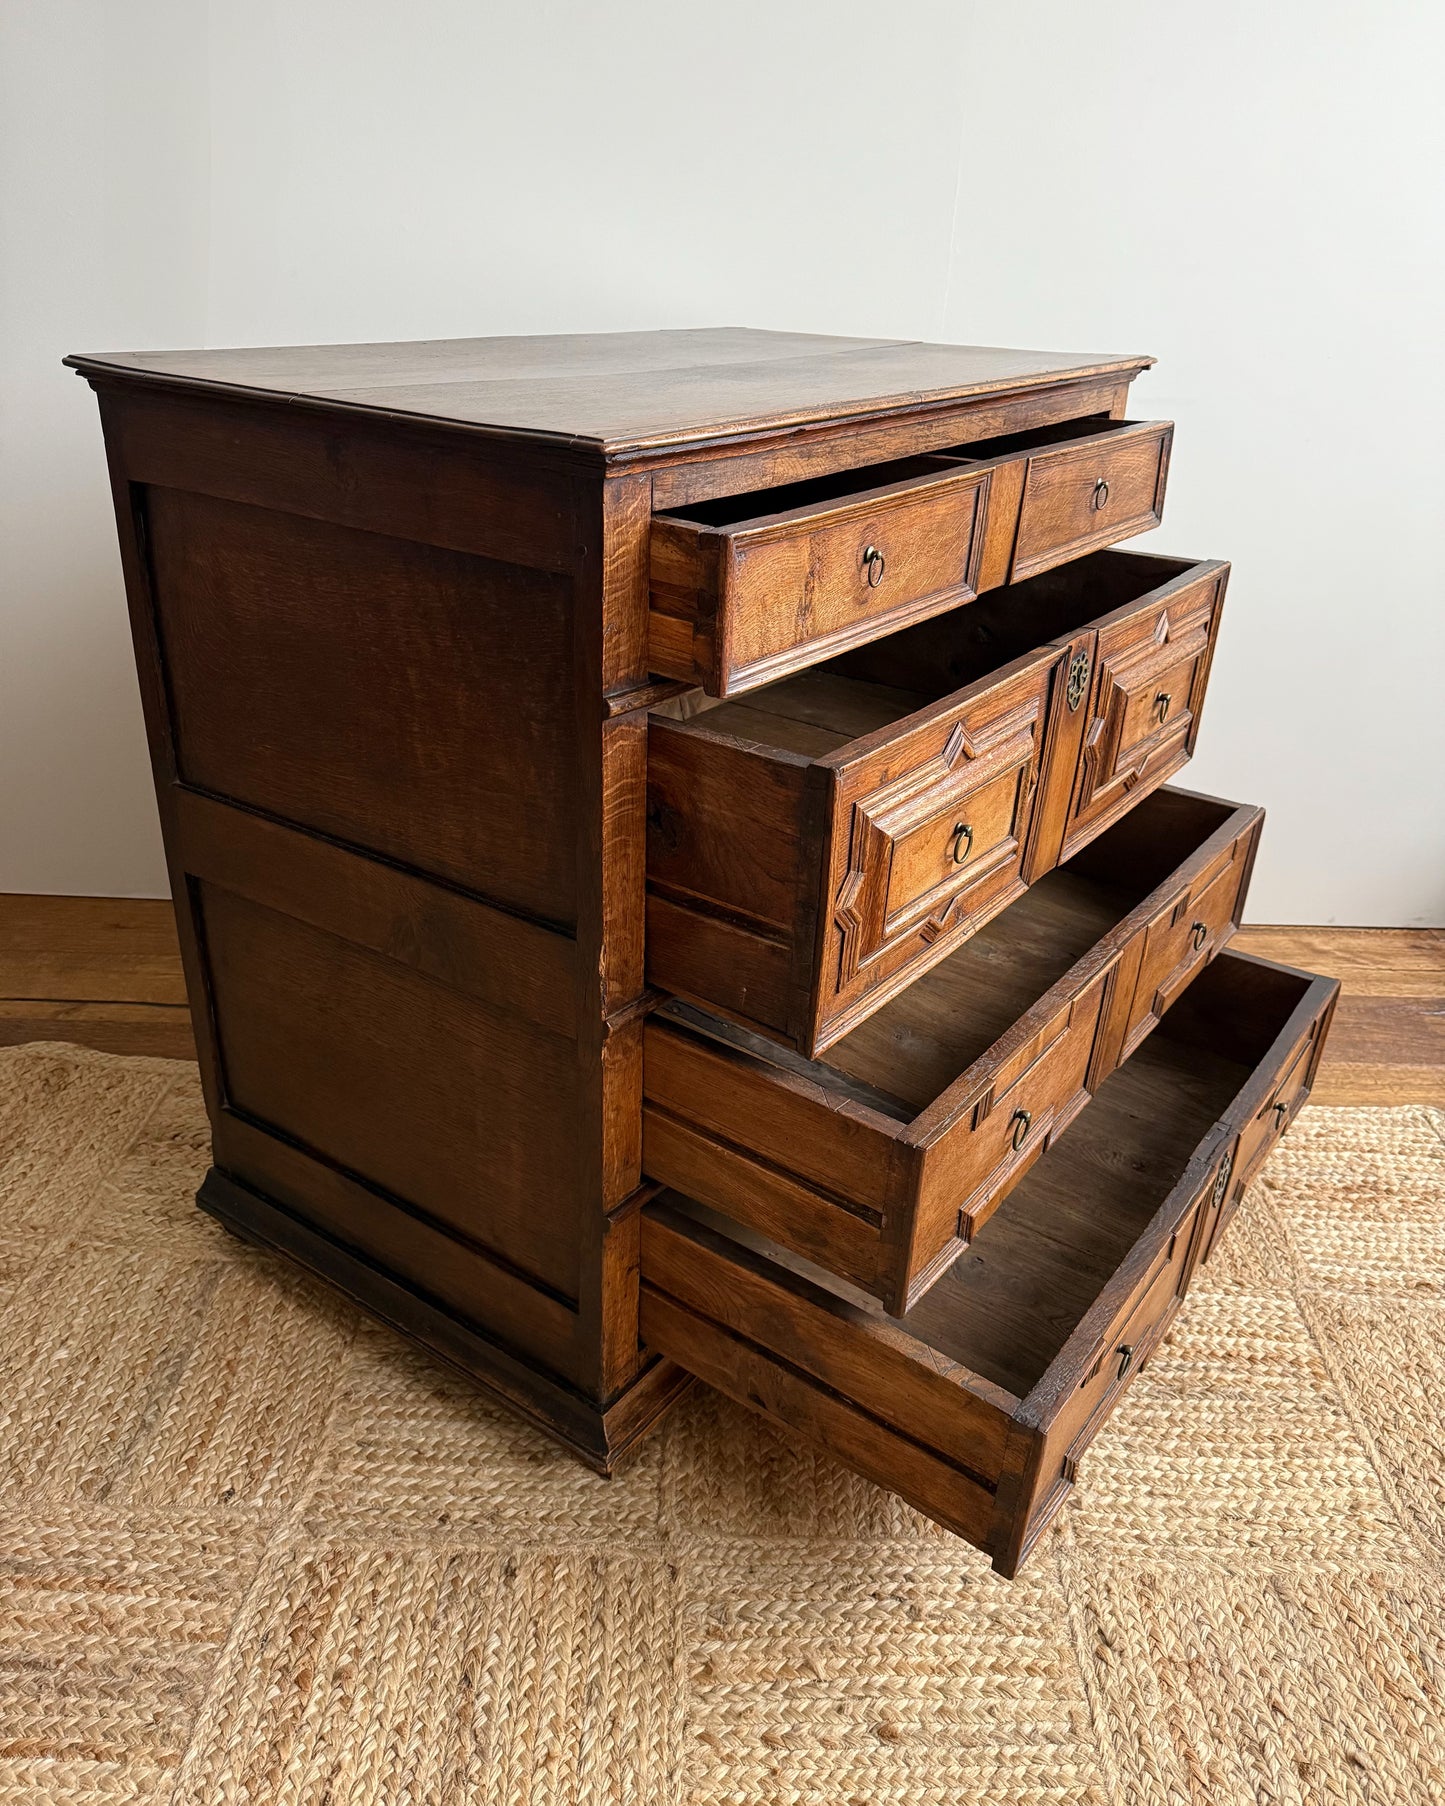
(814, 846)
(1070, 489)
(883, 1160)
(746, 588)
(977, 1405)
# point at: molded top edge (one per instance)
(621, 393)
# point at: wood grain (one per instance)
(620, 392)
(375, 690)
(100, 949)
(101, 971)
(1387, 1045)
(159, 1029)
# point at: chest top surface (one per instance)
(620, 392)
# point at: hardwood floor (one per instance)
(1387, 1045)
(105, 972)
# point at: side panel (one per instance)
(467, 1113)
(398, 697)
(405, 846)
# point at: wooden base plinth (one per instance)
(600, 1435)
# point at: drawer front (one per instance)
(926, 838)
(735, 607)
(1261, 1132)
(1216, 1206)
(850, 578)
(1184, 936)
(1122, 1353)
(1033, 1098)
(1089, 493)
(1145, 693)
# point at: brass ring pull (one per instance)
(962, 842)
(874, 565)
(1101, 496)
(1198, 935)
(1161, 706)
(1281, 1116)
(1022, 1122)
(1126, 1359)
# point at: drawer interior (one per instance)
(812, 493)
(871, 687)
(1011, 1301)
(1008, 445)
(1006, 1308)
(914, 1046)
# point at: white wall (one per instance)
(1250, 192)
(1256, 194)
(103, 198)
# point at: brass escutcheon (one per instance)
(1078, 680)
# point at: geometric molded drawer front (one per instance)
(816, 845)
(883, 1160)
(979, 1403)
(801, 873)
(1274, 1111)
(1183, 936)
(1141, 714)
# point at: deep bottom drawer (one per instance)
(978, 1404)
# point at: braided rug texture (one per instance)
(254, 1549)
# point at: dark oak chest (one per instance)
(677, 876)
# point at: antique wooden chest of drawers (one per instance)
(676, 873)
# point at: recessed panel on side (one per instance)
(448, 1106)
(401, 697)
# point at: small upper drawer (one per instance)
(746, 588)
(815, 845)
(1079, 486)
(883, 1160)
(755, 585)
(979, 1402)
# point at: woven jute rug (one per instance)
(253, 1548)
